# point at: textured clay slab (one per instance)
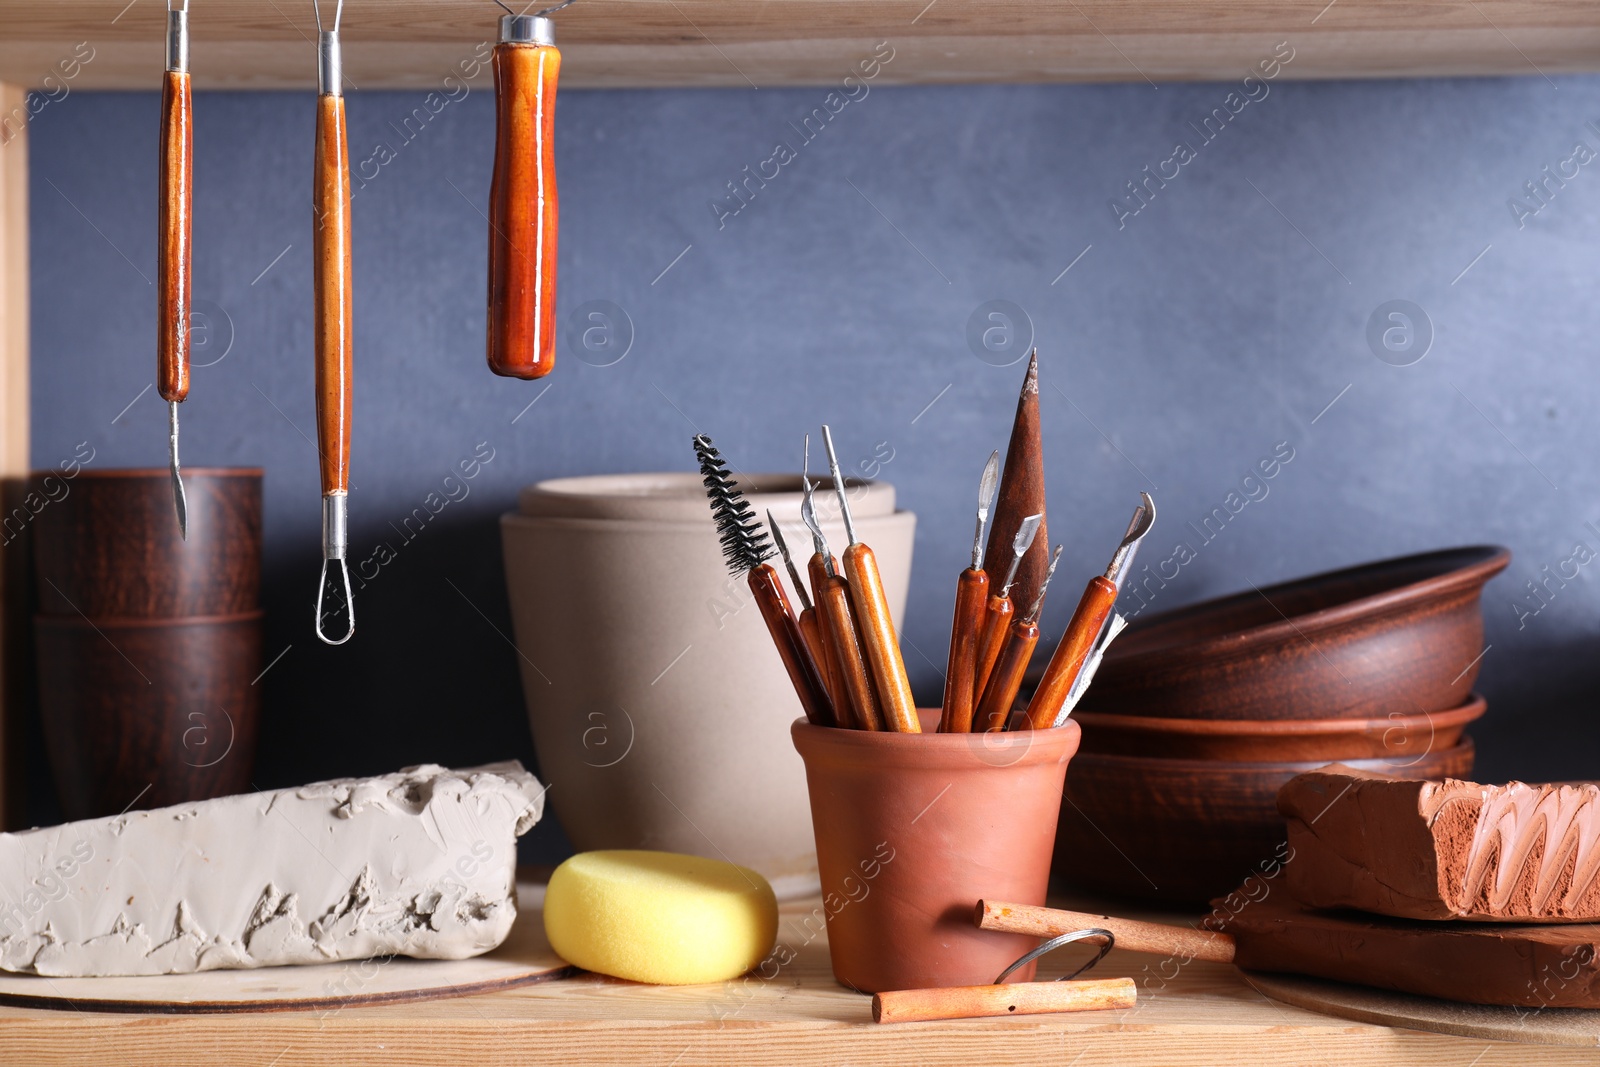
(1534, 966)
(1444, 850)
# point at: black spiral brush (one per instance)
(744, 542)
(745, 548)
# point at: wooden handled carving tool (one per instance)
(173, 240)
(1021, 491)
(871, 609)
(1017, 998)
(966, 626)
(746, 550)
(1088, 621)
(810, 632)
(331, 259)
(855, 703)
(994, 708)
(997, 613)
(1132, 934)
(523, 215)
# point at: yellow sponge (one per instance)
(659, 917)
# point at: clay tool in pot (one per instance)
(1021, 490)
(173, 240)
(1088, 622)
(1086, 676)
(746, 550)
(998, 611)
(1535, 965)
(331, 258)
(972, 593)
(810, 631)
(994, 707)
(871, 609)
(854, 702)
(523, 215)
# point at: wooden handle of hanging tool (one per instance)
(1099, 597)
(960, 676)
(331, 265)
(1155, 939)
(857, 706)
(996, 624)
(522, 212)
(173, 237)
(986, 1001)
(773, 603)
(878, 639)
(994, 707)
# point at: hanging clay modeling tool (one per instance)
(1021, 491)
(746, 550)
(998, 611)
(523, 216)
(994, 707)
(1088, 621)
(871, 609)
(173, 240)
(972, 592)
(331, 258)
(856, 705)
(810, 633)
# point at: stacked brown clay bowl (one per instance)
(147, 645)
(1198, 716)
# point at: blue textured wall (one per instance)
(1186, 341)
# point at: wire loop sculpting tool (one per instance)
(331, 260)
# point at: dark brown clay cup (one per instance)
(913, 830)
(107, 544)
(146, 713)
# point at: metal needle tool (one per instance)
(871, 608)
(972, 590)
(997, 615)
(331, 264)
(1088, 623)
(173, 240)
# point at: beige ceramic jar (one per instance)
(660, 708)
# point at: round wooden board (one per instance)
(525, 957)
(1533, 1026)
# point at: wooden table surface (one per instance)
(1206, 1013)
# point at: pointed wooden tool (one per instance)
(1021, 494)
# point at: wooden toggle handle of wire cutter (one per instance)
(523, 216)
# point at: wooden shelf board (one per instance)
(1206, 1013)
(389, 44)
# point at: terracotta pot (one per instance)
(1394, 736)
(1190, 830)
(1401, 635)
(660, 709)
(148, 712)
(107, 543)
(913, 829)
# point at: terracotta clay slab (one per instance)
(1444, 850)
(1532, 966)
(523, 958)
(1531, 1026)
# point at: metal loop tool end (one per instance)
(335, 539)
(1108, 940)
(330, 54)
(178, 36)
